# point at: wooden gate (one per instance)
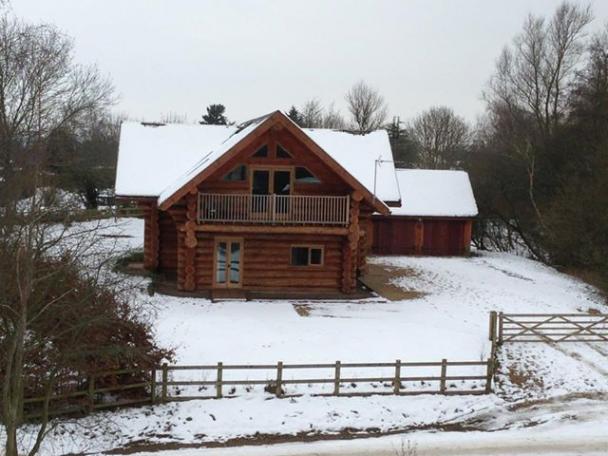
(552, 328)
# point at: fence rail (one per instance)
(274, 209)
(554, 328)
(95, 392)
(386, 378)
(213, 381)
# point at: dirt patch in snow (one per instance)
(522, 378)
(381, 279)
(303, 310)
(256, 439)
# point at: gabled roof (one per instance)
(435, 193)
(161, 161)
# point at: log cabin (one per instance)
(264, 206)
(435, 218)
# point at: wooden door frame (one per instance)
(271, 169)
(228, 240)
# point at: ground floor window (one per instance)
(306, 255)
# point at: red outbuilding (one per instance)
(435, 218)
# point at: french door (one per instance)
(266, 182)
(228, 262)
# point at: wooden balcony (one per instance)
(299, 210)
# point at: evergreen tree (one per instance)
(215, 115)
(295, 115)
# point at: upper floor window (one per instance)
(303, 176)
(237, 174)
(282, 152)
(261, 152)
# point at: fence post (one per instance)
(278, 390)
(218, 383)
(492, 334)
(153, 386)
(91, 393)
(337, 378)
(489, 375)
(444, 369)
(397, 381)
(500, 318)
(165, 381)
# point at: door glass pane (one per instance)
(261, 178)
(259, 189)
(220, 267)
(281, 187)
(235, 262)
(282, 181)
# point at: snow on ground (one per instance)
(537, 385)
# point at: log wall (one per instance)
(266, 262)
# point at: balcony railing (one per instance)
(273, 209)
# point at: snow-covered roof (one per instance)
(157, 161)
(435, 193)
(208, 158)
(359, 155)
(152, 157)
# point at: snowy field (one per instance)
(449, 320)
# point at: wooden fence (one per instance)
(554, 328)
(100, 391)
(386, 379)
(160, 385)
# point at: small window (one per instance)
(303, 176)
(282, 152)
(306, 256)
(261, 152)
(237, 174)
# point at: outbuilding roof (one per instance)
(435, 193)
(158, 160)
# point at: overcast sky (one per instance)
(257, 56)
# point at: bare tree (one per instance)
(534, 73)
(528, 93)
(367, 108)
(440, 137)
(172, 117)
(41, 89)
(61, 310)
(311, 114)
(332, 118)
